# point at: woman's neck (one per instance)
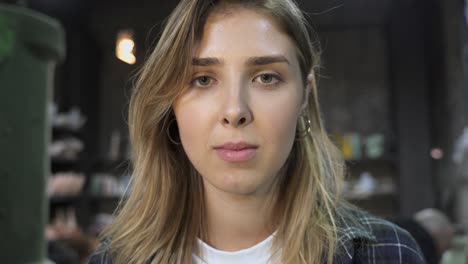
(237, 222)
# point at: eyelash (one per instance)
(195, 81)
(276, 80)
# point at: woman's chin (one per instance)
(241, 186)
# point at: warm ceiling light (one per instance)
(125, 47)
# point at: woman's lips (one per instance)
(236, 151)
(236, 155)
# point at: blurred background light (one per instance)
(437, 153)
(125, 47)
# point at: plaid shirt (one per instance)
(369, 239)
(363, 238)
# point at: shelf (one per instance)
(55, 200)
(62, 131)
(377, 168)
(110, 165)
(383, 160)
(376, 195)
(105, 197)
(57, 165)
(65, 199)
(55, 161)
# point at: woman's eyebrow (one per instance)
(263, 60)
(205, 62)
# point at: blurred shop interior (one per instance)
(393, 90)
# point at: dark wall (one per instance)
(144, 19)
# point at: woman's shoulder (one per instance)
(365, 238)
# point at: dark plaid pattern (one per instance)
(373, 240)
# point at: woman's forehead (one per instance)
(243, 33)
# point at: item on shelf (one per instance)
(346, 148)
(366, 185)
(66, 149)
(63, 226)
(456, 191)
(461, 148)
(108, 185)
(64, 234)
(65, 184)
(337, 139)
(374, 146)
(114, 145)
(350, 145)
(356, 147)
(72, 120)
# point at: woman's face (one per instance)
(238, 117)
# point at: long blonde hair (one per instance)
(164, 214)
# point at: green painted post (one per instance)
(30, 46)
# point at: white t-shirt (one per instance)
(257, 254)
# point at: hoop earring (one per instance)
(168, 132)
(308, 127)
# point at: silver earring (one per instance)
(168, 132)
(301, 134)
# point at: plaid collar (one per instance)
(353, 230)
(364, 238)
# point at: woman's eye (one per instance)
(203, 81)
(267, 78)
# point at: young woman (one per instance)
(231, 161)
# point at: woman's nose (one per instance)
(236, 111)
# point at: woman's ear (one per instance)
(309, 86)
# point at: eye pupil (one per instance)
(204, 80)
(266, 78)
